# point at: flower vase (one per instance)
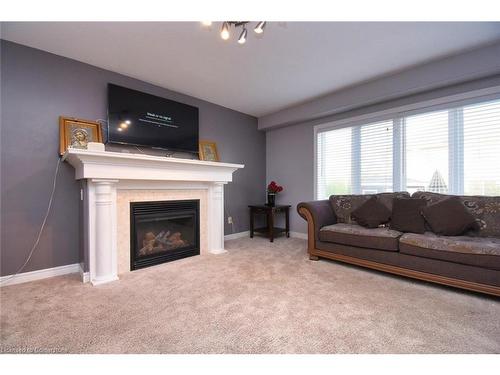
(271, 199)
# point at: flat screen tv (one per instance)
(136, 118)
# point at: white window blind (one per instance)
(334, 177)
(455, 150)
(376, 158)
(355, 160)
(426, 146)
(481, 137)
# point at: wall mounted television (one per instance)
(140, 119)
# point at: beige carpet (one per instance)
(257, 298)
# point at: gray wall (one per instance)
(290, 149)
(37, 87)
(290, 163)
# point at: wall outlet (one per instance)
(229, 219)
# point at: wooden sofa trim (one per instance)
(314, 253)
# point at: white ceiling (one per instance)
(290, 63)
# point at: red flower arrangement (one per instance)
(273, 187)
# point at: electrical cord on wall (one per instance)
(41, 227)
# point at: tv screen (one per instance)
(140, 119)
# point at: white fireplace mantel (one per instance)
(118, 165)
(106, 172)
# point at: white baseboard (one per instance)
(298, 235)
(234, 236)
(39, 274)
(247, 234)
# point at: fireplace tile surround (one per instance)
(112, 180)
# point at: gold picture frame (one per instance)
(208, 151)
(77, 133)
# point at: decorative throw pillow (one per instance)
(387, 198)
(372, 213)
(449, 217)
(344, 205)
(406, 215)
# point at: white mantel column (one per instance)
(102, 217)
(216, 217)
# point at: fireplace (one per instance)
(112, 180)
(163, 231)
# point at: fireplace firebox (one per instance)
(163, 231)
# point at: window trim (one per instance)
(447, 102)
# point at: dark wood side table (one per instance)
(270, 212)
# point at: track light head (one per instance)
(259, 29)
(224, 33)
(243, 36)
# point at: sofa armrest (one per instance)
(317, 214)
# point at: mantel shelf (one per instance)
(117, 165)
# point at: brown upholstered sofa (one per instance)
(470, 261)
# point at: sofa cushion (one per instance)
(356, 235)
(486, 211)
(449, 217)
(372, 213)
(474, 251)
(406, 215)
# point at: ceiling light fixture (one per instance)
(243, 36)
(225, 32)
(259, 29)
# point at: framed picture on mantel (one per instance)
(77, 133)
(208, 151)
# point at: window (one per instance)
(455, 151)
(363, 160)
(335, 178)
(481, 157)
(375, 158)
(426, 156)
